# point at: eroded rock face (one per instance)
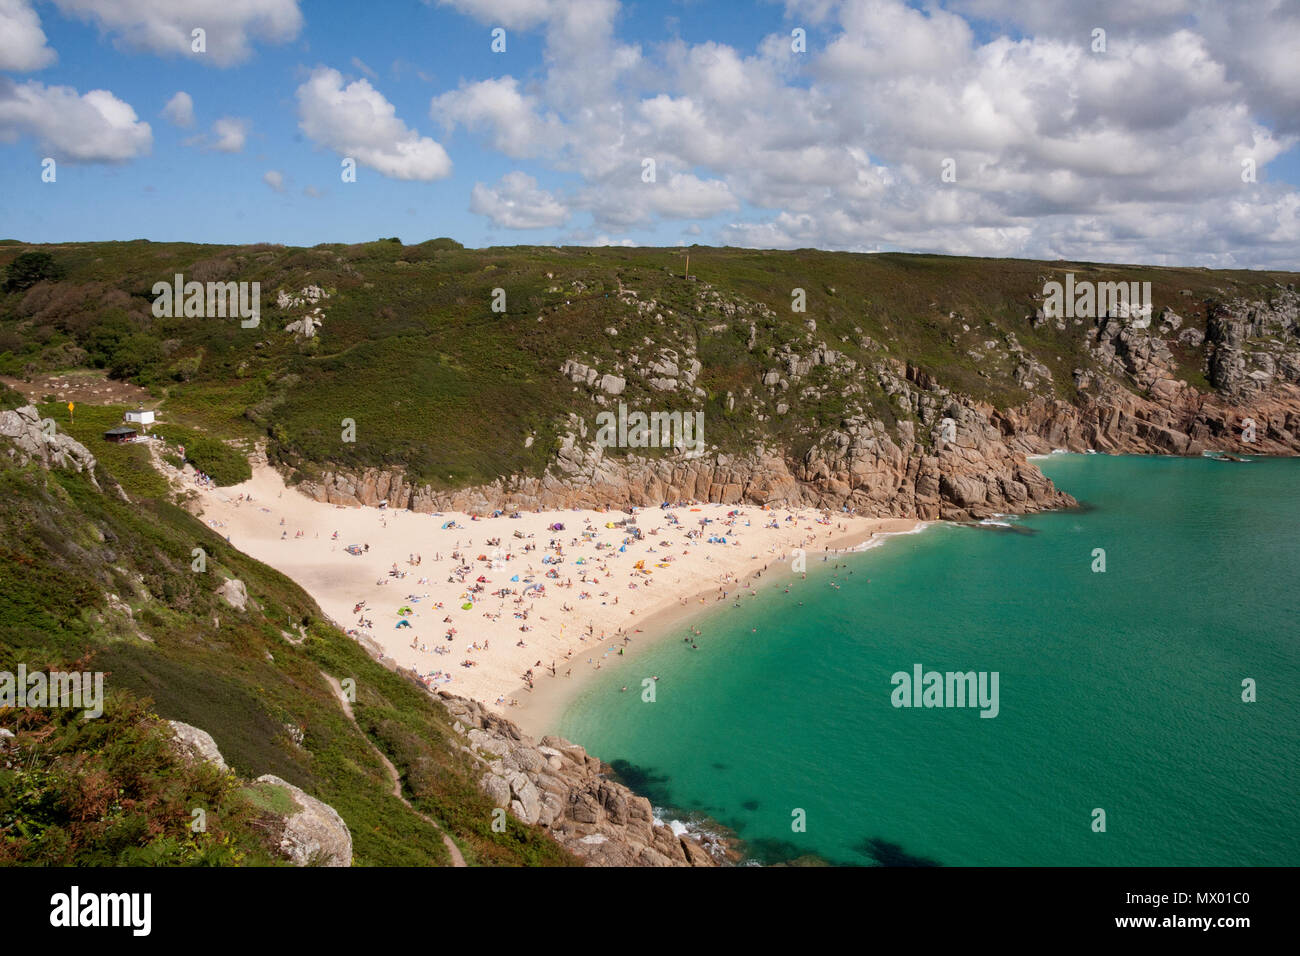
(23, 428)
(1181, 423)
(943, 454)
(559, 786)
(858, 465)
(315, 834)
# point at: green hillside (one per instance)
(92, 582)
(409, 348)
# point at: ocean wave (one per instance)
(880, 537)
(703, 830)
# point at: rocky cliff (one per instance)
(31, 439)
(559, 786)
(1139, 402)
(905, 443)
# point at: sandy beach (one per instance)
(516, 610)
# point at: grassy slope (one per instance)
(65, 547)
(411, 351)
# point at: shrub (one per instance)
(29, 269)
(220, 462)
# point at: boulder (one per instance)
(314, 834)
(197, 743)
(234, 593)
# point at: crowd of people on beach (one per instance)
(589, 560)
(561, 588)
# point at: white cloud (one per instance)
(1059, 151)
(516, 203)
(275, 179)
(496, 105)
(164, 26)
(511, 14)
(22, 41)
(92, 127)
(363, 67)
(179, 110)
(356, 120)
(228, 135)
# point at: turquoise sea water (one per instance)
(1119, 690)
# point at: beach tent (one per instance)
(404, 610)
(467, 606)
(557, 526)
(353, 549)
(402, 624)
(447, 524)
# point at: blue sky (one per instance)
(1131, 154)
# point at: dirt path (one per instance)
(456, 858)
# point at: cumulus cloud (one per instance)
(22, 41)
(514, 121)
(357, 121)
(275, 179)
(517, 203)
(228, 135)
(91, 127)
(164, 26)
(1052, 148)
(179, 110)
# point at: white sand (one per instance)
(605, 595)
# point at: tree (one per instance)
(29, 269)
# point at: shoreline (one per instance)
(480, 606)
(539, 713)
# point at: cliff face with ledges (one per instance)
(937, 453)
